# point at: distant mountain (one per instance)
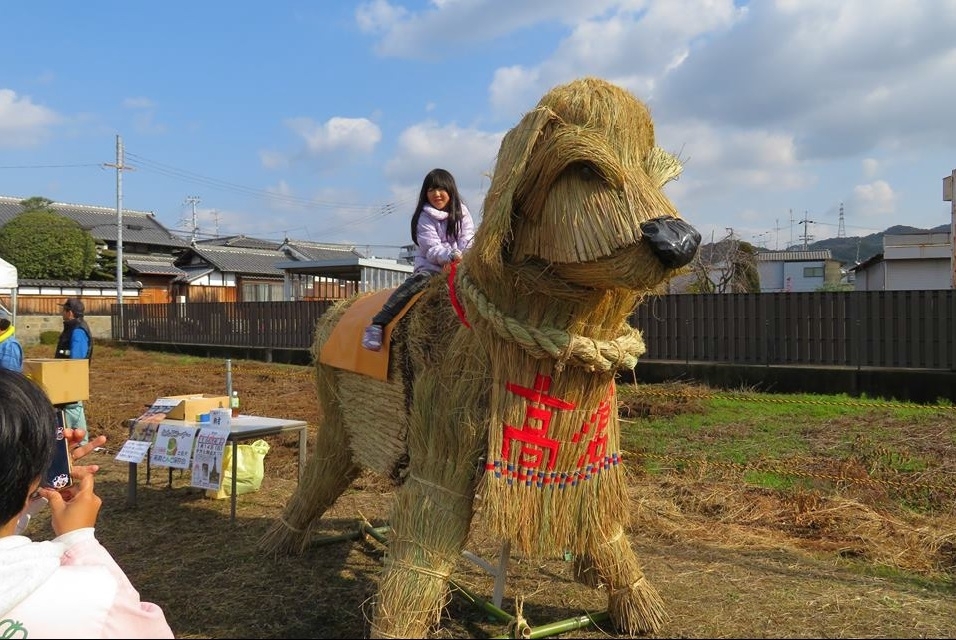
(852, 250)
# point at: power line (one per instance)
(372, 211)
(49, 166)
(167, 170)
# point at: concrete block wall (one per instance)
(29, 328)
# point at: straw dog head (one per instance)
(578, 187)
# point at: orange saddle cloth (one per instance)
(344, 350)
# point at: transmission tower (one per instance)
(841, 230)
(216, 217)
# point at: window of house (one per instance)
(813, 272)
(262, 292)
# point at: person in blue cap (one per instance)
(76, 341)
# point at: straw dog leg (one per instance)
(424, 546)
(634, 604)
(330, 468)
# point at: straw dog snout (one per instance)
(672, 240)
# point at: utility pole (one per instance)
(193, 200)
(949, 195)
(791, 229)
(806, 234)
(120, 168)
(841, 230)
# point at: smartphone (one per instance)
(60, 474)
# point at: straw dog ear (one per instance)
(662, 167)
(495, 232)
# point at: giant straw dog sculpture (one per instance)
(501, 378)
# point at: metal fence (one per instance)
(884, 329)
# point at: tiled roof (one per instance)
(78, 284)
(229, 254)
(794, 256)
(194, 272)
(240, 241)
(152, 265)
(235, 260)
(299, 250)
(140, 227)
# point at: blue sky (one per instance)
(317, 120)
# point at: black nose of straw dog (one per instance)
(672, 240)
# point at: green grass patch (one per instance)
(784, 442)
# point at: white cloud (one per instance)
(630, 44)
(874, 199)
(871, 166)
(337, 135)
(379, 16)
(467, 153)
(428, 33)
(23, 123)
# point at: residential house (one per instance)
(148, 253)
(785, 271)
(162, 267)
(243, 269)
(909, 261)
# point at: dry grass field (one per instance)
(732, 558)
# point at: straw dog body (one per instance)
(501, 378)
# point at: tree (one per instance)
(105, 267)
(728, 266)
(45, 245)
(37, 203)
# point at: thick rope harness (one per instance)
(565, 348)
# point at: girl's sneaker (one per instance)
(372, 338)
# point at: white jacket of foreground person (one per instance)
(70, 587)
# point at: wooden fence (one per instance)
(885, 329)
(252, 325)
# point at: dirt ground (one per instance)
(730, 561)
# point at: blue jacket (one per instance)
(76, 340)
(11, 353)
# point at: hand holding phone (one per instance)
(60, 473)
(73, 509)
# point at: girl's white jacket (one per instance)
(70, 587)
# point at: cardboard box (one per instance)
(63, 379)
(194, 404)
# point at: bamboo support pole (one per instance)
(561, 626)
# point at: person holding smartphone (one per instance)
(39, 580)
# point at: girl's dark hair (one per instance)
(441, 179)
(28, 427)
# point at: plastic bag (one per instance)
(251, 469)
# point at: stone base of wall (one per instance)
(29, 328)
